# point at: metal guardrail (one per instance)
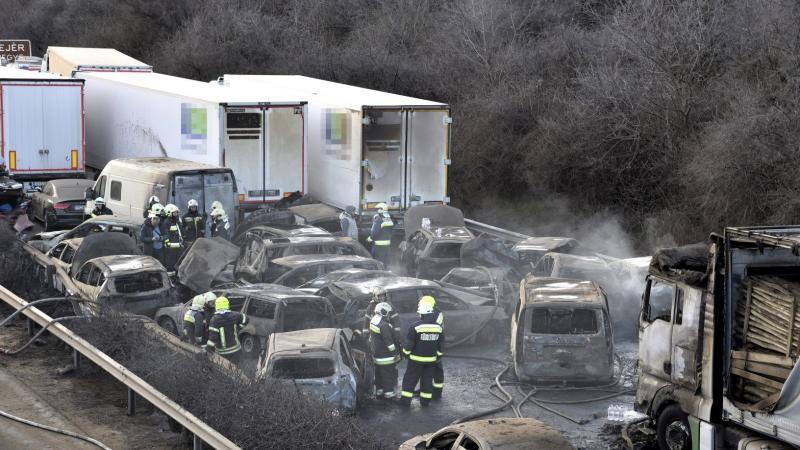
(189, 421)
(479, 228)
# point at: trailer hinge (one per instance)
(411, 160)
(364, 163)
(448, 162)
(448, 120)
(365, 121)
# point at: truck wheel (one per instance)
(251, 346)
(673, 429)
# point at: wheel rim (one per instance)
(676, 435)
(248, 344)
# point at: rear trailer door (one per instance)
(42, 128)
(383, 165)
(428, 156)
(206, 187)
(264, 146)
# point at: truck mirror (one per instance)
(89, 194)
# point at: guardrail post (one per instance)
(76, 360)
(30, 326)
(198, 443)
(131, 402)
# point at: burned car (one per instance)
(101, 224)
(129, 283)
(292, 271)
(464, 311)
(492, 434)
(531, 250)
(61, 256)
(562, 265)
(352, 275)
(486, 281)
(269, 308)
(275, 230)
(206, 264)
(561, 332)
(319, 215)
(319, 362)
(256, 253)
(434, 235)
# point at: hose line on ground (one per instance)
(54, 430)
(6, 351)
(40, 301)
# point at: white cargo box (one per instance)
(41, 126)
(65, 61)
(261, 137)
(367, 146)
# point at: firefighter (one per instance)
(347, 221)
(381, 234)
(385, 350)
(152, 237)
(173, 244)
(438, 372)
(100, 208)
(223, 330)
(219, 224)
(423, 349)
(195, 322)
(150, 202)
(194, 223)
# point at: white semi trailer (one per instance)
(65, 61)
(366, 146)
(261, 137)
(41, 125)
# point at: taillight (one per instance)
(61, 205)
(241, 197)
(73, 159)
(12, 160)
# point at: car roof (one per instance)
(303, 260)
(297, 341)
(544, 243)
(121, 264)
(288, 240)
(513, 434)
(116, 220)
(452, 233)
(270, 292)
(386, 283)
(589, 262)
(292, 229)
(561, 290)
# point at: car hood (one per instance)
(203, 261)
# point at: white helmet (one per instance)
(99, 201)
(157, 209)
(170, 208)
(217, 213)
(192, 202)
(216, 204)
(383, 309)
(382, 207)
(153, 199)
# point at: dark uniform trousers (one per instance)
(422, 373)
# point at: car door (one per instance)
(82, 283)
(261, 318)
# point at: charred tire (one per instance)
(169, 325)
(672, 430)
(251, 346)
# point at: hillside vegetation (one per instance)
(673, 117)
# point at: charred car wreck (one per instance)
(434, 235)
(562, 332)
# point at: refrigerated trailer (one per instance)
(41, 125)
(260, 137)
(65, 61)
(365, 146)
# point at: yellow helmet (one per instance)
(222, 304)
(426, 305)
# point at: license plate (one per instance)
(263, 193)
(76, 208)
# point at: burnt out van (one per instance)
(561, 332)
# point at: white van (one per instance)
(127, 185)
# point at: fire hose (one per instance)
(54, 430)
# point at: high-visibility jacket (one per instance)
(425, 340)
(102, 210)
(381, 231)
(439, 317)
(223, 331)
(194, 226)
(174, 233)
(194, 326)
(383, 342)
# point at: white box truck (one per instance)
(65, 61)
(41, 125)
(260, 137)
(367, 146)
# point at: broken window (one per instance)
(68, 254)
(446, 250)
(659, 304)
(404, 301)
(563, 321)
(300, 275)
(337, 249)
(444, 441)
(302, 368)
(138, 282)
(261, 309)
(274, 271)
(56, 253)
(306, 314)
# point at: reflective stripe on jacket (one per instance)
(383, 341)
(424, 340)
(223, 331)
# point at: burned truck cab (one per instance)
(561, 332)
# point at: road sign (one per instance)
(11, 49)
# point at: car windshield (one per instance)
(305, 314)
(563, 321)
(302, 368)
(446, 250)
(138, 282)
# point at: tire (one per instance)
(251, 345)
(169, 325)
(673, 432)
